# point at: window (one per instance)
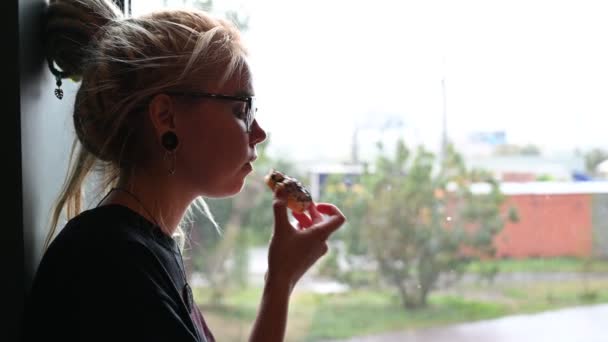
(463, 139)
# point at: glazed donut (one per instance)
(298, 197)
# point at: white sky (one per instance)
(535, 68)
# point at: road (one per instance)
(588, 324)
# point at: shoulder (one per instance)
(101, 236)
(96, 229)
(104, 257)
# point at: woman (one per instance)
(165, 113)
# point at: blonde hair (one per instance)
(122, 62)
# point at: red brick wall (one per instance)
(549, 226)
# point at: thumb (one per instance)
(335, 220)
(279, 207)
(324, 229)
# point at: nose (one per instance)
(257, 135)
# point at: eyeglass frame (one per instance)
(249, 100)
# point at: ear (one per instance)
(162, 114)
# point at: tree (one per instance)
(238, 17)
(422, 225)
(351, 196)
(205, 5)
(352, 199)
(593, 158)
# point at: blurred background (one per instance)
(464, 140)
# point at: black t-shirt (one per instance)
(111, 275)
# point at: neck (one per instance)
(157, 198)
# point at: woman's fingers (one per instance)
(324, 229)
(303, 220)
(328, 209)
(329, 225)
(306, 221)
(314, 213)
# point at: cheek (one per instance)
(198, 148)
(214, 151)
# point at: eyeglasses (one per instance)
(245, 112)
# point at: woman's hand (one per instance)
(293, 250)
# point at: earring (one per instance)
(169, 141)
(58, 91)
(170, 161)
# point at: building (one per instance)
(555, 219)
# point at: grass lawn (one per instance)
(542, 265)
(316, 317)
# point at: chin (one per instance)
(237, 189)
(228, 191)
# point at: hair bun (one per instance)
(71, 26)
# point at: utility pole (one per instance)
(444, 119)
(355, 147)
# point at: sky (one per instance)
(536, 69)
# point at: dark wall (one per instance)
(40, 146)
(46, 132)
(13, 272)
(38, 138)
